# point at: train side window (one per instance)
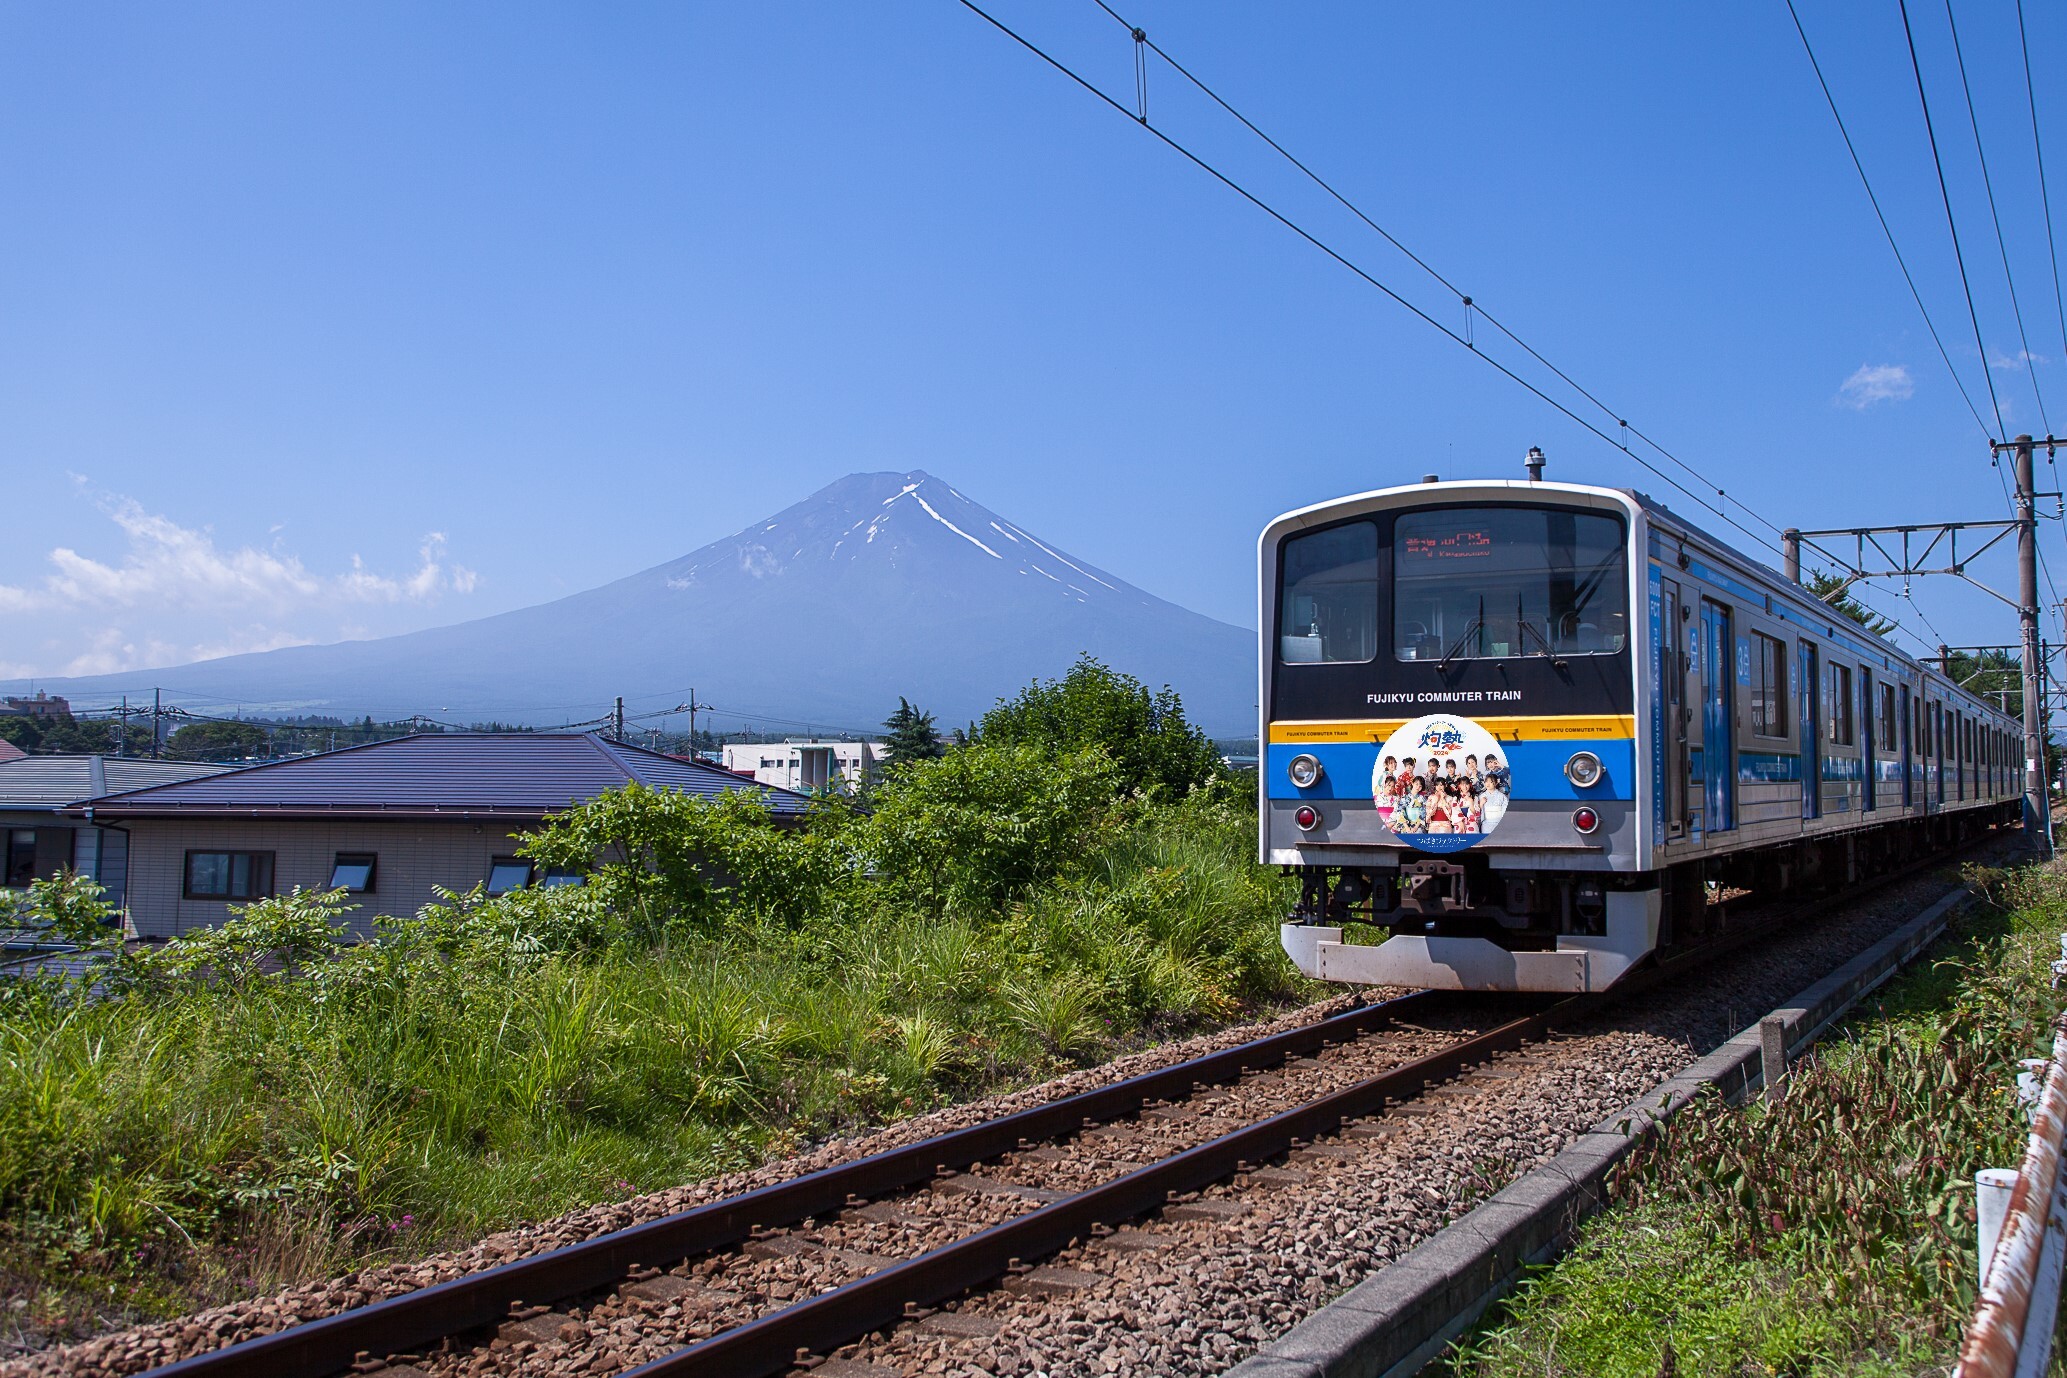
(1837, 706)
(1768, 686)
(1884, 730)
(1328, 607)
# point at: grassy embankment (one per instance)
(1831, 1233)
(211, 1125)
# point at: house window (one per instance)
(353, 871)
(21, 856)
(229, 875)
(507, 873)
(1837, 708)
(561, 875)
(1768, 686)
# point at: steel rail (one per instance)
(403, 1323)
(824, 1322)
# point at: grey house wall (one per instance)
(101, 854)
(412, 857)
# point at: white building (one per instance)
(805, 763)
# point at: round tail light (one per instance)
(1306, 817)
(1585, 820)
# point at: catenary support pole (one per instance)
(2036, 822)
(1790, 553)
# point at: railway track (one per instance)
(1032, 1199)
(778, 1278)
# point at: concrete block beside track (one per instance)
(1398, 1319)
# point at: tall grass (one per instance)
(213, 1121)
(1832, 1232)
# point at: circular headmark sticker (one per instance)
(1441, 783)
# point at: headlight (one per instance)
(1305, 771)
(1584, 769)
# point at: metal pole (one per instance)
(617, 720)
(2036, 812)
(157, 707)
(1790, 553)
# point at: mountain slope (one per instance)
(876, 586)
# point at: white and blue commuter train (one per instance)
(1535, 731)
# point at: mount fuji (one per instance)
(876, 586)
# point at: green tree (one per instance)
(1996, 676)
(908, 735)
(83, 736)
(1152, 745)
(983, 826)
(217, 741)
(21, 729)
(1827, 588)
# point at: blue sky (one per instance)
(324, 321)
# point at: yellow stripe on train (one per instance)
(1578, 726)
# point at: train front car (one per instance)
(1449, 689)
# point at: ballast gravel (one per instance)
(133, 1350)
(1167, 1296)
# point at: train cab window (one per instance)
(1837, 705)
(1768, 686)
(1489, 583)
(1328, 610)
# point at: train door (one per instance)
(1938, 752)
(1810, 696)
(1672, 677)
(1719, 715)
(1869, 737)
(1908, 746)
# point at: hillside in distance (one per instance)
(876, 586)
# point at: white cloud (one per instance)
(168, 566)
(1876, 383)
(2017, 360)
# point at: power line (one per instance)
(1372, 281)
(1471, 305)
(1952, 224)
(2002, 247)
(1339, 258)
(1885, 228)
(2052, 243)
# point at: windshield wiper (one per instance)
(1474, 626)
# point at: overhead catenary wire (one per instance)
(1473, 308)
(1901, 262)
(1314, 240)
(2045, 199)
(1951, 222)
(1371, 280)
(1995, 216)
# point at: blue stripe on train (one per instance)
(1539, 769)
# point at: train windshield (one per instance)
(1497, 582)
(1329, 613)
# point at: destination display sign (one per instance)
(1474, 542)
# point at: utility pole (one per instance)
(122, 742)
(157, 708)
(2037, 810)
(617, 720)
(1790, 554)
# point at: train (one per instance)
(1522, 735)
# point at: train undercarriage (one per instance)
(1458, 923)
